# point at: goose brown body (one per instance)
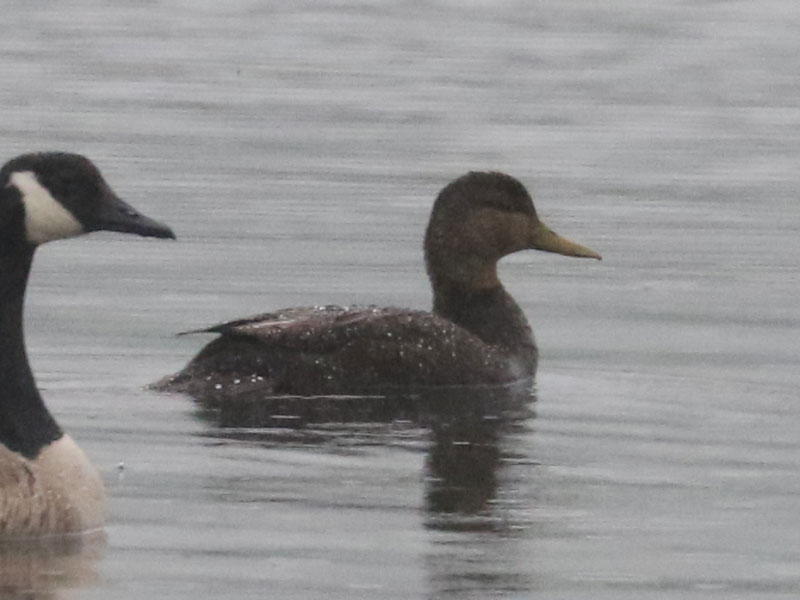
(476, 335)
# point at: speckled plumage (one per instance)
(476, 335)
(342, 350)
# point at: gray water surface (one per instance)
(296, 148)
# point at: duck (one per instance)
(48, 486)
(475, 335)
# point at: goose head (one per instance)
(47, 196)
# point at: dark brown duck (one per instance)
(476, 335)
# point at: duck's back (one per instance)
(58, 492)
(340, 350)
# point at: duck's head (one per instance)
(47, 196)
(478, 219)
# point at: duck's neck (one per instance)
(26, 425)
(491, 314)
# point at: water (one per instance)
(296, 150)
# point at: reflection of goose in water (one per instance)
(47, 485)
(42, 569)
(476, 335)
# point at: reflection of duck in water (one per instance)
(477, 334)
(47, 484)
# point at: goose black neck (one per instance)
(26, 425)
(491, 314)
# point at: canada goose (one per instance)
(47, 484)
(476, 334)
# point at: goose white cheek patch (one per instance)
(45, 218)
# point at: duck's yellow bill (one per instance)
(545, 239)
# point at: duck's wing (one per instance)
(280, 319)
(314, 328)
